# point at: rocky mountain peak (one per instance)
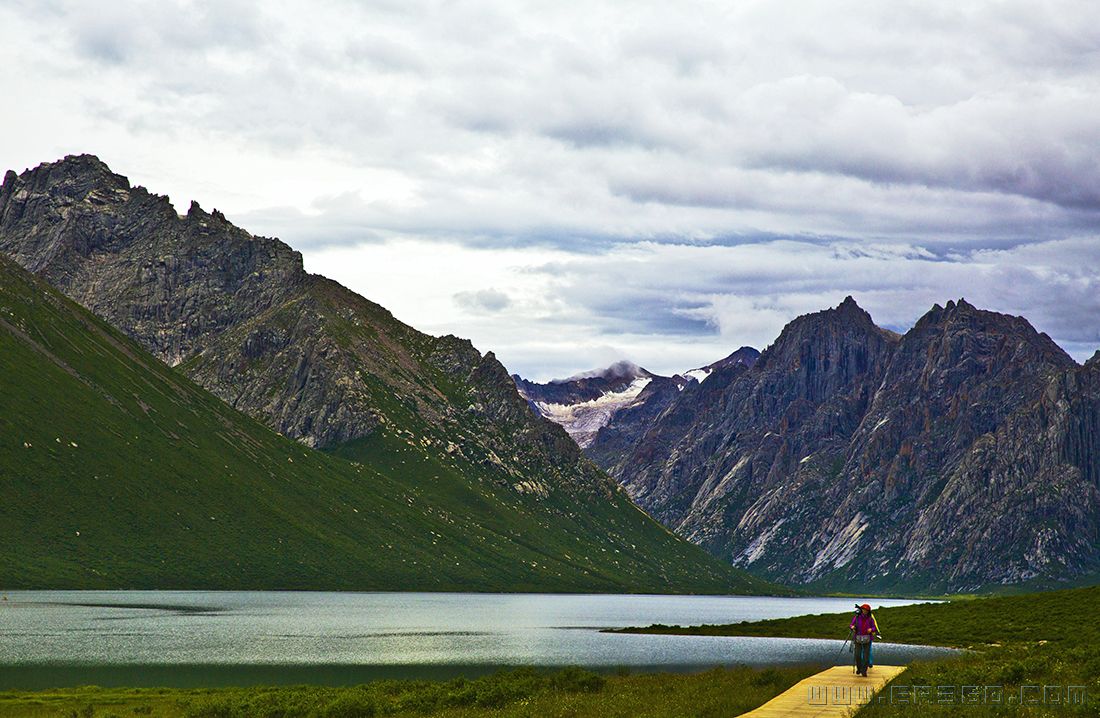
(187, 281)
(849, 306)
(844, 339)
(959, 329)
(952, 310)
(74, 175)
(959, 308)
(967, 432)
(743, 355)
(81, 164)
(845, 314)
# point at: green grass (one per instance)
(118, 472)
(1056, 616)
(1044, 639)
(522, 692)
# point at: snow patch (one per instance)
(698, 375)
(583, 420)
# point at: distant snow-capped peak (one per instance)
(584, 419)
(587, 402)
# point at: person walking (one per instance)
(863, 629)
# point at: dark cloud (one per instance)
(641, 310)
(483, 300)
(130, 31)
(744, 294)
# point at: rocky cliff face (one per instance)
(627, 427)
(960, 455)
(172, 282)
(240, 316)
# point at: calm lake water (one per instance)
(197, 637)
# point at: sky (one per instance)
(573, 183)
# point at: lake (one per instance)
(50, 638)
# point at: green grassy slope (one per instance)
(117, 472)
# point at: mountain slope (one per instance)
(444, 478)
(118, 472)
(240, 316)
(959, 456)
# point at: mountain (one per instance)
(627, 427)
(598, 408)
(587, 386)
(585, 403)
(744, 355)
(962, 455)
(435, 473)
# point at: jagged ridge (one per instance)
(960, 455)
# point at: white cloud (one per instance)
(670, 307)
(625, 176)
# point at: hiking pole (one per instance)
(850, 632)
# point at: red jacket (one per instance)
(863, 625)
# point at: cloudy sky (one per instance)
(571, 183)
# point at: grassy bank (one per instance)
(1043, 639)
(523, 692)
(1055, 617)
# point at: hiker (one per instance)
(863, 630)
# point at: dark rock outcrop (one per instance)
(745, 355)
